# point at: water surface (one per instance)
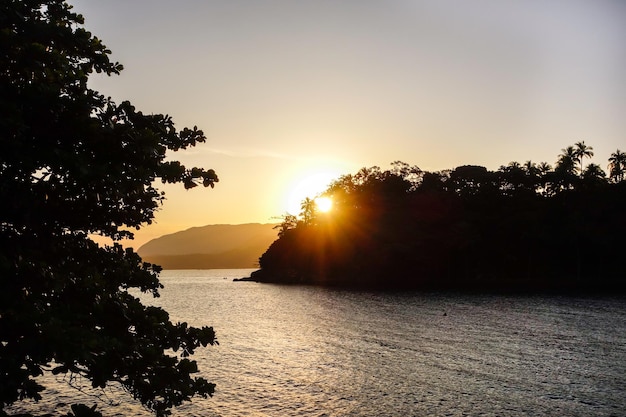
(309, 351)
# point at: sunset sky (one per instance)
(289, 90)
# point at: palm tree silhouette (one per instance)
(617, 165)
(531, 168)
(594, 175)
(582, 151)
(308, 210)
(544, 168)
(564, 176)
(567, 160)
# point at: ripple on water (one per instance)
(307, 351)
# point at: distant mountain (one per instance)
(211, 247)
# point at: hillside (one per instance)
(210, 247)
(469, 229)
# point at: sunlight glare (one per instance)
(324, 204)
(310, 186)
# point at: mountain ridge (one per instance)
(210, 246)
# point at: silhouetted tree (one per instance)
(433, 181)
(412, 174)
(531, 168)
(594, 174)
(564, 175)
(74, 163)
(567, 160)
(524, 227)
(582, 151)
(514, 178)
(308, 211)
(470, 180)
(544, 168)
(617, 166)
(289, 222)
(544, 171)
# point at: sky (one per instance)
(294, 93)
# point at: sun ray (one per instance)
(309, 187)
(324, 204)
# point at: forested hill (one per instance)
(212, 246)
(524, 227)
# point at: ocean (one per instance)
(311, 351)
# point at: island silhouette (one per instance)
(524, 227)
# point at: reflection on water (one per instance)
(307, 351)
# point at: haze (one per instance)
(288, 90)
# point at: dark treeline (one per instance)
(525, 227)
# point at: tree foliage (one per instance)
(617, 165)
(75, 163)
(524, 227)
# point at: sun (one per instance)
(324, 204)
(310, 186)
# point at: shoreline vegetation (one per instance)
(523, 228)
(76, 164)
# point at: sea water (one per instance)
(311, 351)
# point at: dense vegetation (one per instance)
(523, 227)
(74, 163)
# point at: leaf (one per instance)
(61, 369)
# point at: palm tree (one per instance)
(531, 168)
(594, 172)
(593, 176)
(532, 174)
(567, 161)
(582, 151)
(564, 175)
(544, 168)
(617, 166)
(289, 222)
(308, 211)
(512, 177)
